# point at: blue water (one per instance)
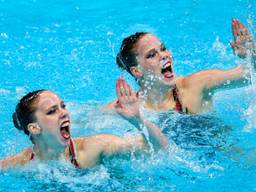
(70, 47)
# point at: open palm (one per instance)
(128, 102)
(242, 39)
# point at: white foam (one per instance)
(4, 35)
(250, 114)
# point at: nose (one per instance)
(165, 55)
(64, 113)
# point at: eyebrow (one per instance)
(53, 106)
(161, 45)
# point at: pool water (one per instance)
(70, 47)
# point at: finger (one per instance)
(123, 88)
(244, 33)
(118, 91)
(137, 94)
(122, 97)
(235, 29)
(128, 89)
(242, 29)
(248, 35)
(232, 44)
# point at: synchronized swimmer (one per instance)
(43, 116)
(146, 58)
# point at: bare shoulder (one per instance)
(184, 83)
(20, 158)
(95, 139)
(181, 82)
(196, 80)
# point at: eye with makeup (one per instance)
(151, 54)
(63, 105)
(52, 110)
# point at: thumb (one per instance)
(232, 44)
(120, 109)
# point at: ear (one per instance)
(34, 128)
(136, 72)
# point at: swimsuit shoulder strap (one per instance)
(178, 105)
(32, 155)
(72, 152)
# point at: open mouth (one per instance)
(167, 70)
(64, 130)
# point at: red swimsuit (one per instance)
(178, 106)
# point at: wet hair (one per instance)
(126, 57)
(24, 113)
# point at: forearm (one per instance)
(155, 135)
(233, 78)
(9, 162)
(226, 79)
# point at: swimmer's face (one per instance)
(154, 60)
(52, 118)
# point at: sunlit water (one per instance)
(70, 47)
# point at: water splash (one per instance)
(250, 115)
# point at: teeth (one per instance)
(166, 65)
(65, 124)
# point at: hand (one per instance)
(128, 102)
(128, 107)
(242, 39)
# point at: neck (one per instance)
(43, 151)
(158, 97)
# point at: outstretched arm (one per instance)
(20, 158)
(243, 46)
(128, 107)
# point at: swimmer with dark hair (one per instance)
(43, 116)
(147, 59)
